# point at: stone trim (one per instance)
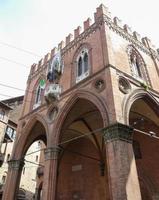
(52, 153)
(16, 164)
(143, 69)
(120, 31)
(118, 132)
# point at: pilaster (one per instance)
(13, 179)
(52, 153)
(123, 179)
(50, 173)
(16, 164)
(117, 132)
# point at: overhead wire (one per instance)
(88, 134)
(15, 62)
(150, 133)
(67, 141)
(20, 49)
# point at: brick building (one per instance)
(94, 102)
(9, 114)
(4, 116)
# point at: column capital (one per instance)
(52, 153)
(118, 131)
(16, 164)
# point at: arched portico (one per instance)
(85, 112)
(142, 113)
(35, 129)
(82, 160)
(135, 95)
(90, 104)
(80, 94)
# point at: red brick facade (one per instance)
(109, 100)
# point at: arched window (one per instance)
(135, 63)
(2, 114)
(85, 62)
(82, 65)
(38, 97)
(79, 71)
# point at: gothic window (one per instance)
(136, 67)
(85, 62)
(79, 67)
(10, 132)
(82, 65)
(2, 114)
(38, 96)
(137, 64)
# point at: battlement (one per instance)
(102, 14)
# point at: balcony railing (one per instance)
(52, 92)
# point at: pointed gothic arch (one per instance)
(26, 137)
(80, 94)
(137, 65)
(133, 96)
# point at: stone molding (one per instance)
(52, 153)
(118, 131)
(81, 37)
(112, 25)
(120, 31)
(16, 164)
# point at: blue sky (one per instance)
(39, 25)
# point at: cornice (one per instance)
(81, 37)
(118, 132)
(120, 31)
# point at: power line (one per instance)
(12, 61)
(20, 49)
(8, 86)
(6, 96)
(151, 134)
(67, 141)
(33, 163)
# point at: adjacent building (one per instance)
(10, 110)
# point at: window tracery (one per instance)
(137, 65)
(38, 96)
(82, 65)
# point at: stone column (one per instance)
(13, 179)
(123, 179)
(50, 173)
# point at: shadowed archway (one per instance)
(36, 129)
(144, 118)
(82, 169)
